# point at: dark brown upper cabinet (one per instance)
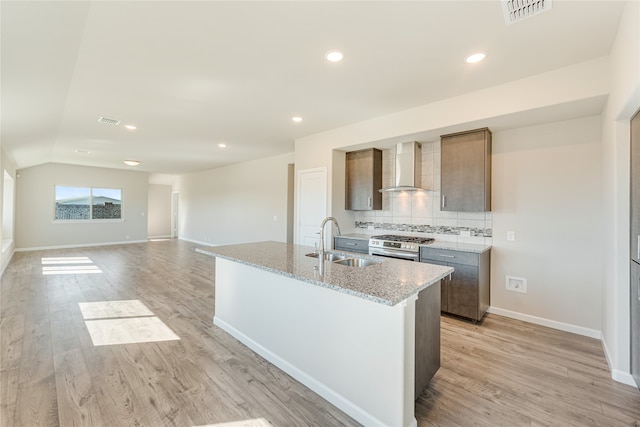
(466, 171)
(363, 180)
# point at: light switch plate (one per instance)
(511, 236)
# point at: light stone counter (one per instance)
(388, 282)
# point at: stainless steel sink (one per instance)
(356, 262)
(329, 256)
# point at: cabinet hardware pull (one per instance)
(350, 244)
(447, 256)
(638, 246)
(369, 201)
(444, 199)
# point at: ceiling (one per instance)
(191, 75)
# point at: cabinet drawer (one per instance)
(351, 245)
(453, 257)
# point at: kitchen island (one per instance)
(349, 333)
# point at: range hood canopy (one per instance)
(408, 168)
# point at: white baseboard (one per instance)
(567, 327)
(623, 377)
(334, 398)
(197, 242)
(165, 236)
(80, 245)
(6, 264)
(617, 374)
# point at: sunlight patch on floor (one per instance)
(111, 309)
(68, 265)
(67, 260)
(254, 422)
(123, 322)
(129, 331)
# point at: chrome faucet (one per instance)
(322, 224)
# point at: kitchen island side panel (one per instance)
(357, 354)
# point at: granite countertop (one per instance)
(387, 282)
(437, 244)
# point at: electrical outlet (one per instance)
(516, 284)
(465, 233)
(511, 236)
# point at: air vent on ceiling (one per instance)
(518, 10)
(109, 121)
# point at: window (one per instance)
(83, 203)
(106, 203)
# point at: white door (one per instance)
(174, 214)
(311, 196)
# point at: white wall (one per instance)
(36, 203)
(159, 206)
(624, 100)
(555, 179)
(540, 98)
(546, 186)
(236, 204)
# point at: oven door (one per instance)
(394, 253)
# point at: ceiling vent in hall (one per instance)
(518, 10)
(109, 121)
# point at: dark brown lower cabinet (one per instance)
(466, 292)
(427, 351)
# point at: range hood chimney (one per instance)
(408, 168)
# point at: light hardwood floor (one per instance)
(499, 372)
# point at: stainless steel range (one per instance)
(401, 247)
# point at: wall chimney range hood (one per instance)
(408, 168)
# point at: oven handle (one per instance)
(393, 254)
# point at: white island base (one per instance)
(357, 354)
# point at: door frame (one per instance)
(175, 203)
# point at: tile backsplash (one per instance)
(419, 211)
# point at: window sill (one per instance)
(86, 221)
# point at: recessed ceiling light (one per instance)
(296, 119)
(334, 56)
(476, 57)
(131, 162)
(222, 145)
(130, 127)
(82, 151)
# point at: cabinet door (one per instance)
(463, 291)
(363, 180)
(635, 187)
(466, 171)
(444, 285)
(635, 322)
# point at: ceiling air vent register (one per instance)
(109, 121)
(518, 10)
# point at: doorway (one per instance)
(311, 206)
(175, 199)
